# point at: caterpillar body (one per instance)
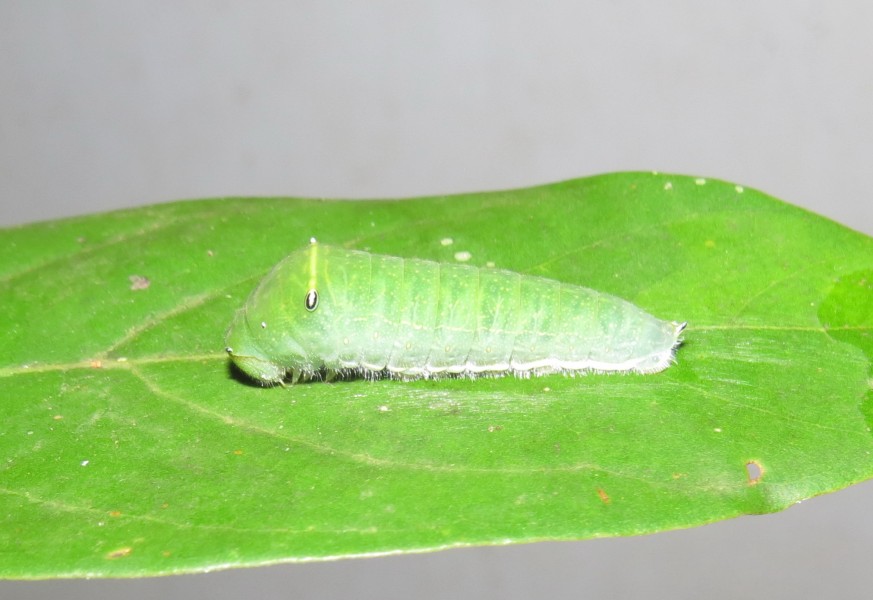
(325, 311)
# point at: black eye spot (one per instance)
(311, 300)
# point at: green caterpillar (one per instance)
(325, 311)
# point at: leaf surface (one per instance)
(129, 448)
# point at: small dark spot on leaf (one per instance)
(755, 471)
(138, 282)
(604, 497)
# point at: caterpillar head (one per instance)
(247, 354)
(284, 327)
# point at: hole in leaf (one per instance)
(755, 471)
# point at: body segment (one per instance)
(325, 309)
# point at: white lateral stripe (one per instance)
(647, 364)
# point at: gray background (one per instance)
(109, 104)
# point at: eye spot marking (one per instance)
(311, 300)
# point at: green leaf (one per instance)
(129, 447)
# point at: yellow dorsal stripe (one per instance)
(313, 261)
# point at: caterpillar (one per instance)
(326, 311)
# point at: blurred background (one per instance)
(109, 104)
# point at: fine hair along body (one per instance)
(325, 311)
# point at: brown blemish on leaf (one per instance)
(604, 497)
(119, 553)
(96, 364)
(138, 282)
